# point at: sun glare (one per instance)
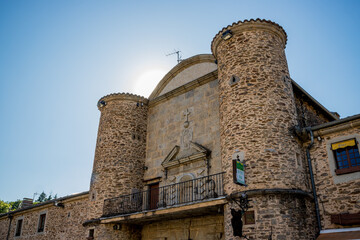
(147, 82)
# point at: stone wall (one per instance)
(281, 216)
(336, 193)
(106, 231)
(307, 115)
(257, 111)
(197, 228)
(61, 223)
(119, 157)
(166, 130)
(4, 225)
(120, 149)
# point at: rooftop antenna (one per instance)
(177, 52)
(34, 196)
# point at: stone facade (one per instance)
(163, 166)
(307, 115)
(280, 216)
(61, 223)
(257, 113)
(207, 227)
(199, 107)
(120, 152)
(336, 193)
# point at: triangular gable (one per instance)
(179, 156)
(172, 154)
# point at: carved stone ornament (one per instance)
(187, 132)
(176, 156)
(186, 137)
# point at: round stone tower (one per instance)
(119, 156)
(257, 112)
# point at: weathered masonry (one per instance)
(227, 146)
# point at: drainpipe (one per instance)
(8, 233)
(312, 177)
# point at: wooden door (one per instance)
(154, 196)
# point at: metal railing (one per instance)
(195, 190)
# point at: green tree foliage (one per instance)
(15, 204)
(9, 206)
(43, 197)
(4, 207)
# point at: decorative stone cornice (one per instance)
(249, 25)
(121, 97)
(184, 88)
(186, 63)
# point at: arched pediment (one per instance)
(186, 71)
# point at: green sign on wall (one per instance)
(239, 172)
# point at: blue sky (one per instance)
(57, 58)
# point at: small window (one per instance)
(93, 197)
(41, 225)
(346, 156)
(234, 79)
(298, 160)
(18, 227)
(91, 234)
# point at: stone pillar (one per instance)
(119, 156)
(257, 111)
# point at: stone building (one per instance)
(227, 146)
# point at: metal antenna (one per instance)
(177, 52)
(34, 196)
